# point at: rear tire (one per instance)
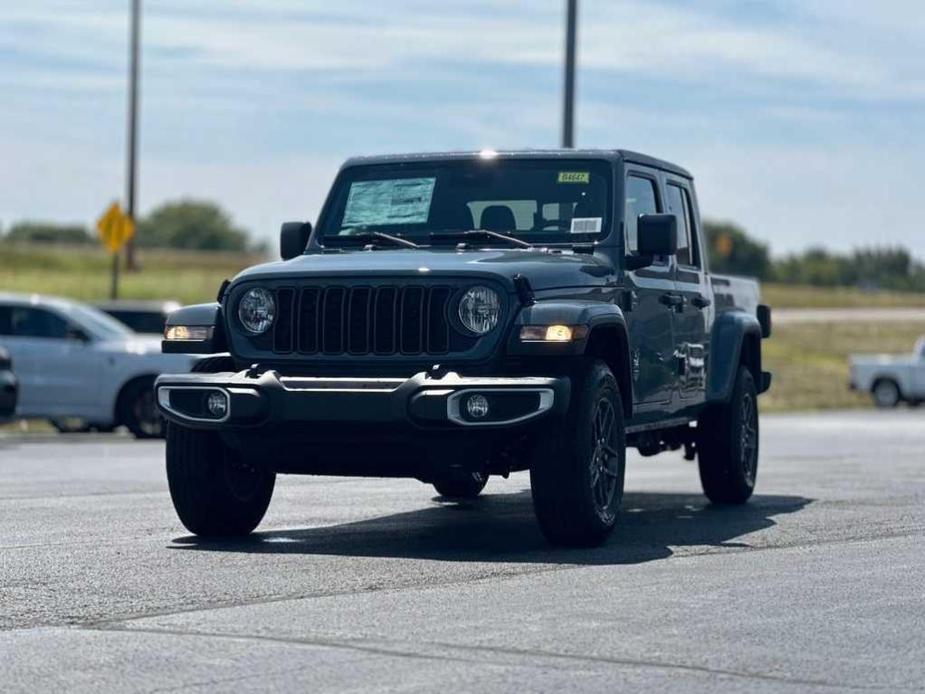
(460, 484)
(579, 465)
(886, 394)
(727, 444)
(215, 492)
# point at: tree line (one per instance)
(202, 225)
(733, 251)
(185, 224)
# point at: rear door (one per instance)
(694, 317)
(647, 311)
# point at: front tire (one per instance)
(138, 411)
(579, 466)
(215, 492)
(727, 444)
(70, 425)
(886, 394)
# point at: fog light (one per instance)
(217, 404)
(477, 406)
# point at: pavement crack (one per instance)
(500, 575)
(487, 655)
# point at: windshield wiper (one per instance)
(371, 237)
(480, 233)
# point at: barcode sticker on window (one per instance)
(586, 225)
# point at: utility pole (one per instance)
(568, 109)
(132, 143)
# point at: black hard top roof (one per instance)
(610, 154)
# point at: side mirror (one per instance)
(76, 334)
(657, 234)
(293, 237)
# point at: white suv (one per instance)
(75, 362)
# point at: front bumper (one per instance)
(423, 401)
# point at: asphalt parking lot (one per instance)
(379, 585)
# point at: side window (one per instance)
(641, 198)
(37, 322)
(696, 258)
(676, 207)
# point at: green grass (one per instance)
(83, 272)
(810, 361)
(790, 296)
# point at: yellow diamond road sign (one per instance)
(115, 228)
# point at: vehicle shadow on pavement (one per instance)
(502, 528)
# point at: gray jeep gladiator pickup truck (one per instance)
(455, 316)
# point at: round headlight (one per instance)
(256, 310)
(479, 309)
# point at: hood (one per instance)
(544, 269)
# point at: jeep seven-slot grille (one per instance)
(360, 320)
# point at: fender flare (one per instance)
(205, 315)
(597, 317)
(731, 330)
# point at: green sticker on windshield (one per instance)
(574, 177)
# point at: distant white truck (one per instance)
(891, 378)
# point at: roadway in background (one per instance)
(846, 315)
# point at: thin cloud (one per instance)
(236, 91)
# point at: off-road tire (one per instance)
(727, 444)
(215, 492)
(576, 478)
(461, 484)
(137, 410)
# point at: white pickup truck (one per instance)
(891, 378)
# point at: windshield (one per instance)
(98, 323)
(537, 200)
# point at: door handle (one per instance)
(700, 301)
(675, 301)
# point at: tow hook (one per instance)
(437, 371)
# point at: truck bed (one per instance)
(731, 292)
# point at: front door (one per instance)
(54, 377)
(647, 304)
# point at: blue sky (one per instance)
(802, 120)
